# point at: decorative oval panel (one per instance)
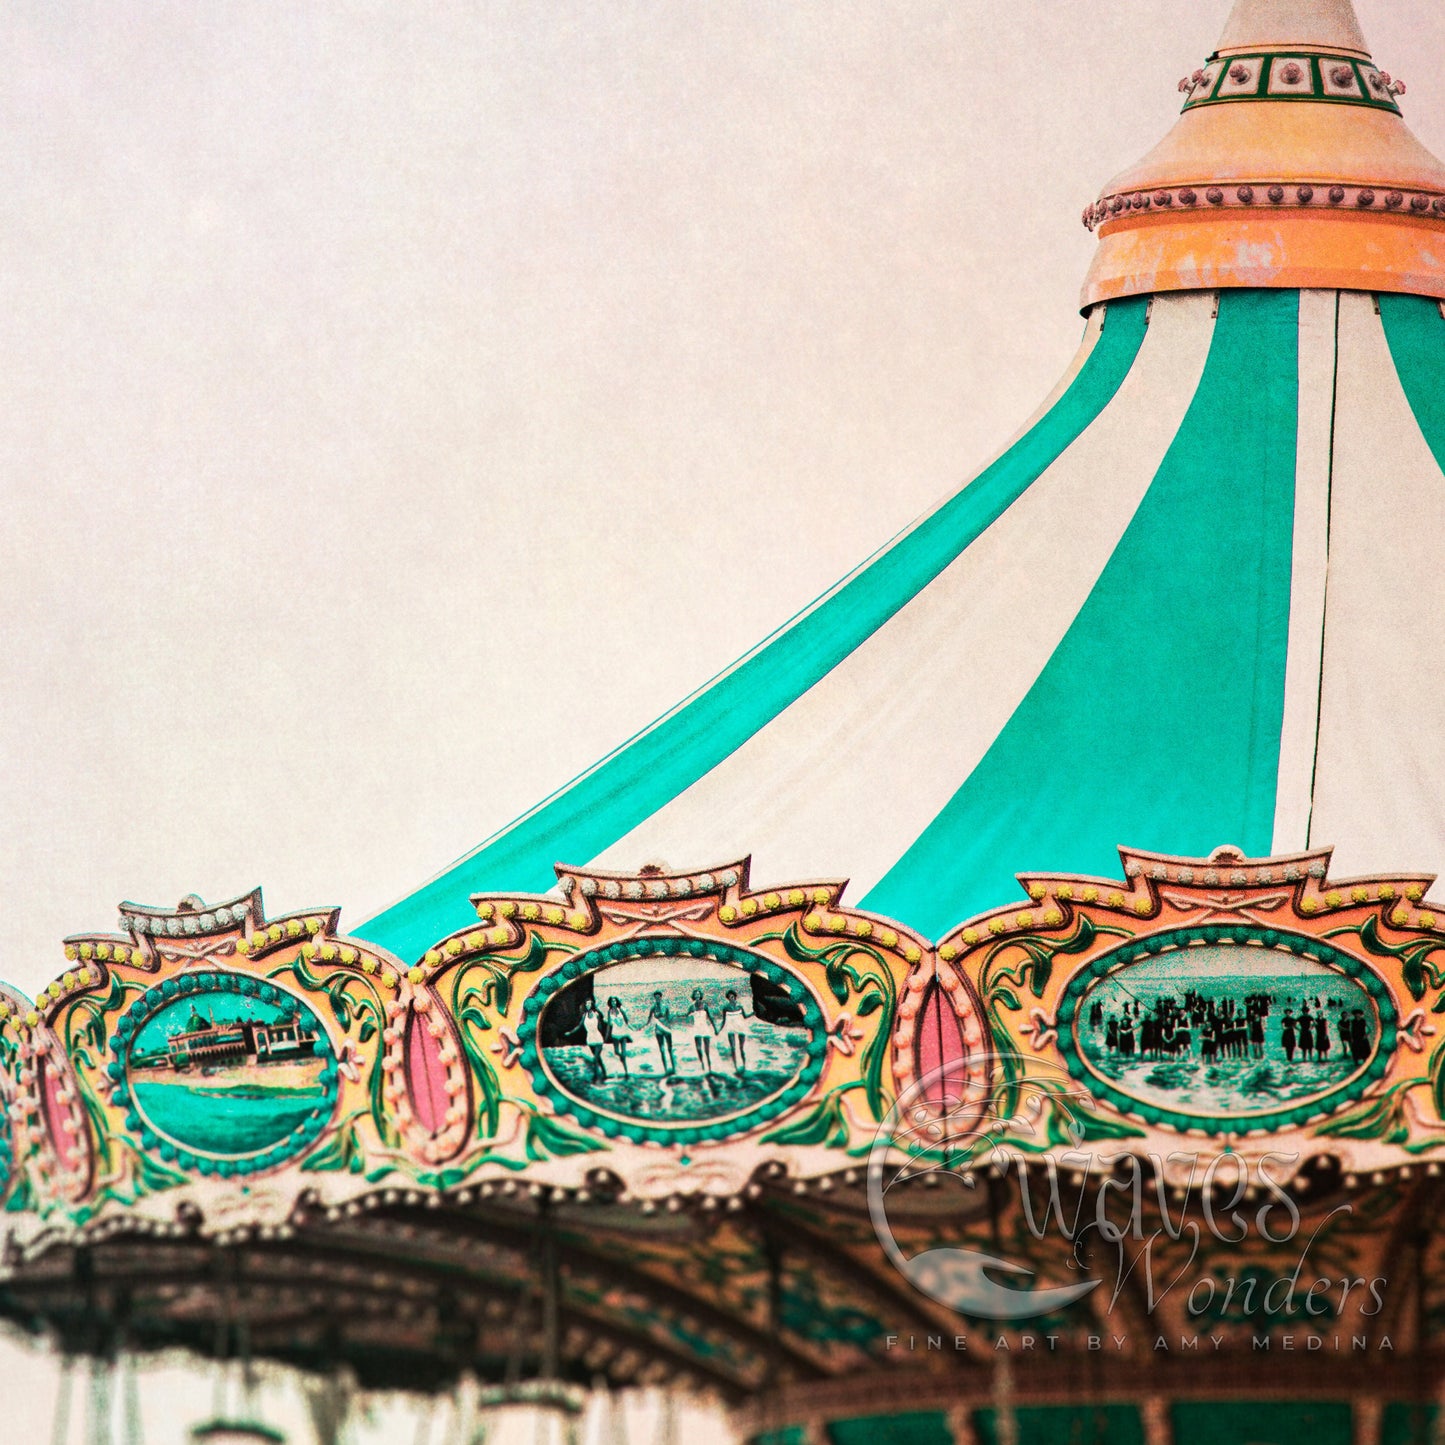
(223, 1073)
(1228, 1030)
(672, 1040)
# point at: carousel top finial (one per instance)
(1312, 25)
(1291, 166)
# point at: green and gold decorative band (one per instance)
(1333, 79)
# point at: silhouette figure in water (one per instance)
(704, 1030)
(619, 1031)
(659, 1019)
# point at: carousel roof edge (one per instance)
(687, 1039)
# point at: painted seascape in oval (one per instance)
(228, 1069)
(1210, 1034)
(677, 1039)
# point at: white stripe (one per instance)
(1307, 569)
(1380, 782)
(849, 775)
(1093, 329)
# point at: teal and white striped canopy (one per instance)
(1197, 602)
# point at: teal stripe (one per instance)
(1268, 1422)
(1080, 1424)
(1415, 330)
(901, 1427)
(1156, 722)
(631, 784)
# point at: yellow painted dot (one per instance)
(821, 895)
(1116, 900)
(243, 945)
(837, 924)
(796, 897)
(506, 910)
(71, 951)
(310, 950)
(552, 915)
(1309, 905)
(995, 925)
(1065, 890)
(485, 911)
(1414, 892)
(498, 935)
(912, 953)
(1037, 890)
(86, 951)
(32, 1019)
(1024, 919)
(1360, 895)
(69, 980)
(102, 950)
(750, 907)
(728, 913)
(812, 921)
(415, 974)
(1053, 917)
(1400, 917)
(948, 953)
(329, 951)
(368, 965)
(274, 933)
(1426, 920)
(453, 947)
(476, 941)
(1334, 898)
(862, 928)
(531, 911)
(1091, 895)
(1142, 905)
(1387, 891)
(433, 957)
(349, 954)
(577, 921)
(771, 900)
(888, 938)
(293, 928)
(388, 978)
(970, 936)
(313, 925)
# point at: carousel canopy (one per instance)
(630, 1116)
(1184, 608)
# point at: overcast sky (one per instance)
(401, 406)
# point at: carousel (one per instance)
(1005, 1006)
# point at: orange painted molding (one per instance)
(1143, 253)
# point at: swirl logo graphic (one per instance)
(947, 1123)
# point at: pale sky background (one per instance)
(402, 405)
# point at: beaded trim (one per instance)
(1318, 195)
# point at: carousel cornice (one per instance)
(448, 1074)
(444, 1119)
